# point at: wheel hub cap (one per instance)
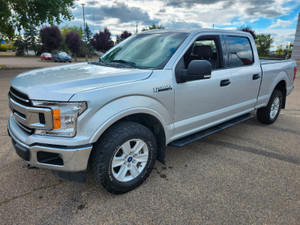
(275, 108)
(130, 160)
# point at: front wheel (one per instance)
(124, 157)
(269, 114)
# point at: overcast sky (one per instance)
(277, 17)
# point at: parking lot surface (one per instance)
(246, 174)
(33, 62)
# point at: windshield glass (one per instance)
(145, 50)
(63, 54)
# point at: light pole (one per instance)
(84, 30)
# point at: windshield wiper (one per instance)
(126, 62)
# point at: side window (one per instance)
(240, 51)
(210, 43)
(204, 48)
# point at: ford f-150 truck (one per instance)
(157, 88)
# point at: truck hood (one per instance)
(62, 82)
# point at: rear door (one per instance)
(245, 71)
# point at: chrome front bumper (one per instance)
(57, 158)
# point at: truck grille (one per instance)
(19, 97)
(27, 117)
(26, 129)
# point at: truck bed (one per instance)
(264, 61)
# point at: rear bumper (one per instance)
(57, 158)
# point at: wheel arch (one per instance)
(147, 118)
(281, 86)
(157, 129)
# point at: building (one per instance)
(296, 48)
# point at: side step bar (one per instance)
(194, 137)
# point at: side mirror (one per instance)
(197, 70)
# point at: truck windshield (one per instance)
(145, 50)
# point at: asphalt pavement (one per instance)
(246, 174)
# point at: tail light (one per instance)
(295, 72)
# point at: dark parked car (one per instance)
(46, 56)
(61, 57)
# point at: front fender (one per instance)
(129, 105)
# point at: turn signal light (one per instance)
(295, 73)
(56, 119)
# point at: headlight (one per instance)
(64, 117)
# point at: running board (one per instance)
(194, 137)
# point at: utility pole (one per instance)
(84, 29)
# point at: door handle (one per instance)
(255, 76)
(225, 82)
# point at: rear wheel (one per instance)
(124, 157)
(269, 114)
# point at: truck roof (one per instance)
(198, 30)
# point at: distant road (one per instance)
(31, 62)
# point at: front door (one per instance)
(202, 103)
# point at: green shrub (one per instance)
(11, 47)
(3, 48)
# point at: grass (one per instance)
(30, 56)
(2, 66)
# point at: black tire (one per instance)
(264, 114)
(110, 144)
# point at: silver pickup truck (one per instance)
(158, 88)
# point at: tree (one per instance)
(88, 49)
(87, 33)
(249, 30)
(66, 29)
(7, 29)
(19, 14)
(20, 45)
(73, 42)
(153, 27)
(50, 38)
(123, 36)
(280, 50)
(102, 41)
(263, 43)
(30, 36)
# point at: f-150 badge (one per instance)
(162, 88)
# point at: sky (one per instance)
(275, 17)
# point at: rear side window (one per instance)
(240, 51)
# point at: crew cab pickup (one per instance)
(157, 88)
